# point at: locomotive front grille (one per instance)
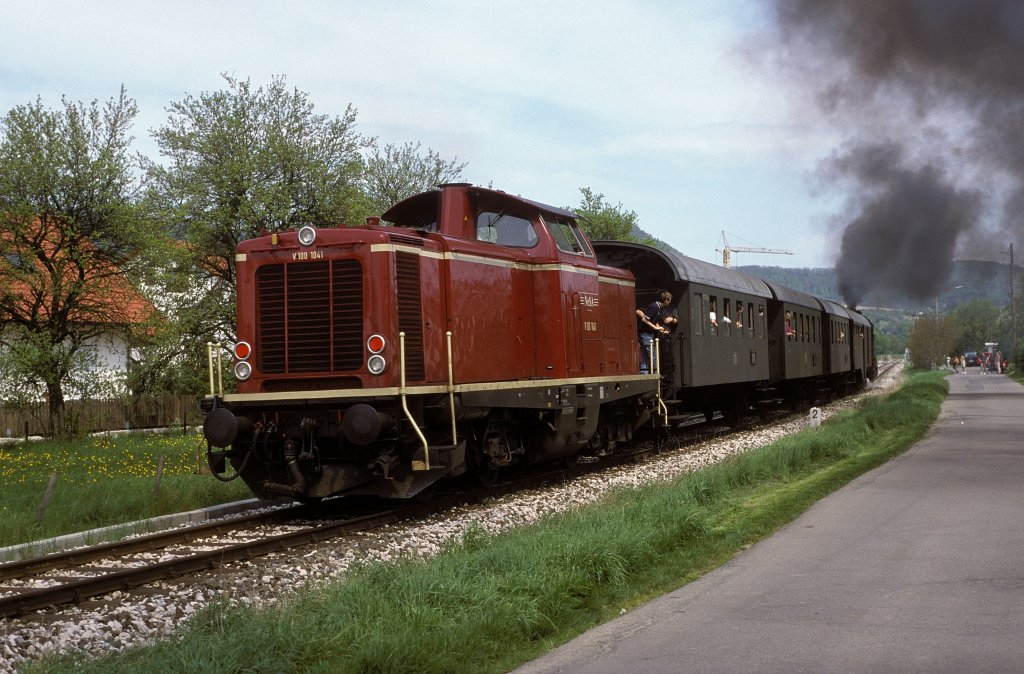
(410, 318)
(309, 317)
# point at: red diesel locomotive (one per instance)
(475, 332)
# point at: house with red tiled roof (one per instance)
(72, 293)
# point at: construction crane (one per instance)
(727, 250)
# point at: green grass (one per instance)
(101, 481)
(492, 602)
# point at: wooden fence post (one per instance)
(46, 498)
(159, 474)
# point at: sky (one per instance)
(658, 106)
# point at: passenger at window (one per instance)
(739, 315)
(790, 332)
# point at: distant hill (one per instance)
(978, 279)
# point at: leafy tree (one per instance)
(978, 323)
(601, 220)
(395, 173)
(69, 233)
(241, 162)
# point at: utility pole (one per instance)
(1013, 306)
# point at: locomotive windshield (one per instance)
(505, 230)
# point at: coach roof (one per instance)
(654, 267)
(784, 294)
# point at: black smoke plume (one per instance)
(930, 97)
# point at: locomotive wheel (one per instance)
(486, 475)
(485, 471)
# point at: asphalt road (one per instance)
(917, 566)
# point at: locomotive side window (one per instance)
(505, 230)
(568, 237)
(581, 239)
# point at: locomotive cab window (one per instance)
(568, 237)
(505, 230)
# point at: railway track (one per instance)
(76, 575)
(94, 571)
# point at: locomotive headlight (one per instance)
(376, 364)
(243, 370)
(243, 350)
(375, 343)
(307, 236)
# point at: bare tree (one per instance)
(932, 338)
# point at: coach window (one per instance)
(713, 314)
(761, 319)
(505, 230)
(724, 319)
(698, 303)
(750, 320)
